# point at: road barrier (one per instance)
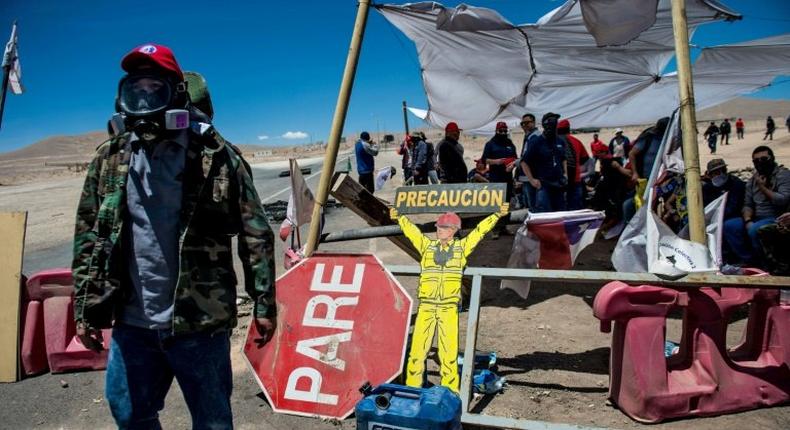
(694, 283)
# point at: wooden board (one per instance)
(12, 232)
(460, 198)
(370, 208)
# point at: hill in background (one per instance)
(53, 155)
(748, 108)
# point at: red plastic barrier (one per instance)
(703, 378)
(33, 349)
(48, 329)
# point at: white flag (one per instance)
(11, 58)
(301, 202)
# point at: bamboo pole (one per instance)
(688, 124)
(338, 121)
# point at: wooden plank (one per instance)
(12, 230)
(373, 210)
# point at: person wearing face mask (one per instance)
(152, 251)
(717, 182)
(500, 155)
(545, 166)
(442, 262)
(767, 197)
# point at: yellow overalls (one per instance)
(440, 293)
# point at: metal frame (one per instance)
(478, 273)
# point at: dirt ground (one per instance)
(549, 346)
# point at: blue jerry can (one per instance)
(396, 407)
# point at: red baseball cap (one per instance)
(564, 124)
(451, 127)
(155, 55)
(500, 125)
(599, 149)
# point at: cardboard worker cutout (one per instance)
(442, 262)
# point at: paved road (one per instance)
(271, 187)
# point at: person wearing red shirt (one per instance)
(739, 128)
(574, 193)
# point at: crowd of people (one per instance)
(555, 171)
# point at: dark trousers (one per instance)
(549, 199)
(725, 138)
(141, 367)
(420, 178)
(739, 132)
(366, 180)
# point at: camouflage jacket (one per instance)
(219, 201)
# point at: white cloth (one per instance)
(495, 71)
(300, 202)
(11, 57)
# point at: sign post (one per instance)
(342, 321)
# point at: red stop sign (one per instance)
(342, 320)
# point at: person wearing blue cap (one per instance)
(365, 150)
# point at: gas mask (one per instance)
(150, 104)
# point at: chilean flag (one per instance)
(551, 240)
(563, 235)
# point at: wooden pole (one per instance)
(3, 91)
(405, 119)
(688, 124)
(338, 121)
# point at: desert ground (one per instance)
(549, 346)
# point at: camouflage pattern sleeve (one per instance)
(256, 247)
(85, 234)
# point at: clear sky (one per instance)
(272, 67)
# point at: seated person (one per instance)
(717, 182)
(479, 173)
(775, 245)
(767, 197)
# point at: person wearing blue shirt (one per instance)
(365, 151)
(531, 132)
(545, 166)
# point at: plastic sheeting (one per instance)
(478, 68)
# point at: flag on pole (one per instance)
(301, 201)
(11, 61)
(298, 213)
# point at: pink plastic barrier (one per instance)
(703, 378)
(48, 329)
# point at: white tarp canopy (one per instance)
(478, 68)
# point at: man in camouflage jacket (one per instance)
(217, 201)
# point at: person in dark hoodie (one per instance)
(500, 155)
(717, 182)
(451, 156)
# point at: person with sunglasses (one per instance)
(767, 197)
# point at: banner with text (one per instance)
(462, 198)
